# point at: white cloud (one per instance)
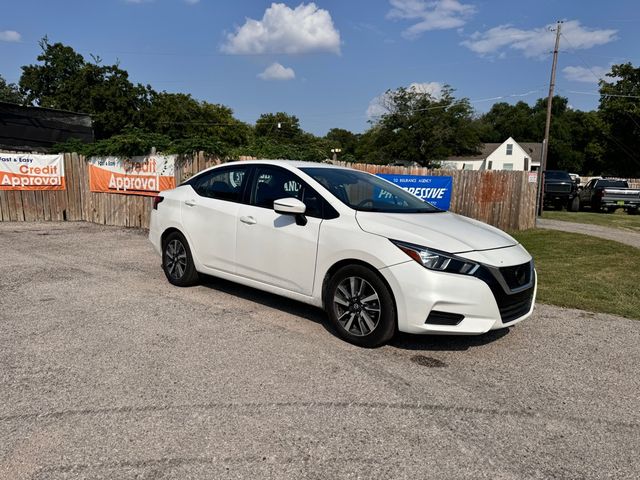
(275, 71)
(585, 75)
(303, 29)
(10, 36)
(431, 15)
(377, 106)
(536, 42)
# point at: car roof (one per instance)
(285, 163)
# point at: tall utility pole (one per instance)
(547, 127)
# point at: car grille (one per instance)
(557, 188)
(516, 305)
(512, 305)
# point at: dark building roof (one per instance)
(37, 129)
(533, 149)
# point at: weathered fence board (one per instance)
(504, 199)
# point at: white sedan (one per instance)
(375, 257)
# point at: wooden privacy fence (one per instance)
(78, 203)
(503, 199)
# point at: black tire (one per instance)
(177, 262)
(574, 205)
(632, 211)
(353, 310)
(611, 209)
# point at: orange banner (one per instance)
(31, 172)
(135, 176)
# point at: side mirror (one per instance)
(289, 206)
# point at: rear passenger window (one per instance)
(226, 184)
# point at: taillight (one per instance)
(157, 200)
(600, 193)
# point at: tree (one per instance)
(574, 139)
(64, 80)
(344, 140)
(620, 113)
(9, 92)
(420, 127)
(179, 115)
(278, 126)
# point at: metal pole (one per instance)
(547, 126)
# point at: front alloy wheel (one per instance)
(360, 306)
(357, 306)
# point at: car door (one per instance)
(209, 215)
(585, 193)
(273, 248)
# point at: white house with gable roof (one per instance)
(508, 155)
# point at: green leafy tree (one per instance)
(279, 126)
(343, 139)
(575, 141)
(620, 113)
(10, 92)
(422, 128)
(64, 80)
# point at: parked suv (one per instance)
(377, 258)
(560, 190)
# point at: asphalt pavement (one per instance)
(109, 372)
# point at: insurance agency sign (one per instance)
(433, 189)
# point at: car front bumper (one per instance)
(419, 291)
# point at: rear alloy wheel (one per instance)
(360, 306)
(177, 262)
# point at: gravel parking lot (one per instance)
(107, 371)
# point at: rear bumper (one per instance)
(619, 202)
(419, 291)
(155, 233)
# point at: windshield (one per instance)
(557, 175)
(368, 193)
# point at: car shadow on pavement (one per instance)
(403, 341)
(271, 300)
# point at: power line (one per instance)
(596, 94)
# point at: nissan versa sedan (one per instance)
(376, 258)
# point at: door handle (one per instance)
(248, 220)
(191, 203)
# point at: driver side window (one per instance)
(272, 183)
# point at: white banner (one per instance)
(31, 172)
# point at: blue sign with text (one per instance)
(434, 189)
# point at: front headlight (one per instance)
(436, 260)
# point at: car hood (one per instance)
(442, 231)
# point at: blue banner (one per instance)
(436, 190)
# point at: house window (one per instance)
(507, 166)
(526, 164)
(490, 165)
(468, 166)
(509, 148)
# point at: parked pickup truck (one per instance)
(560, 190)
(606, 194)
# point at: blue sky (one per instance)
(327, 62)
